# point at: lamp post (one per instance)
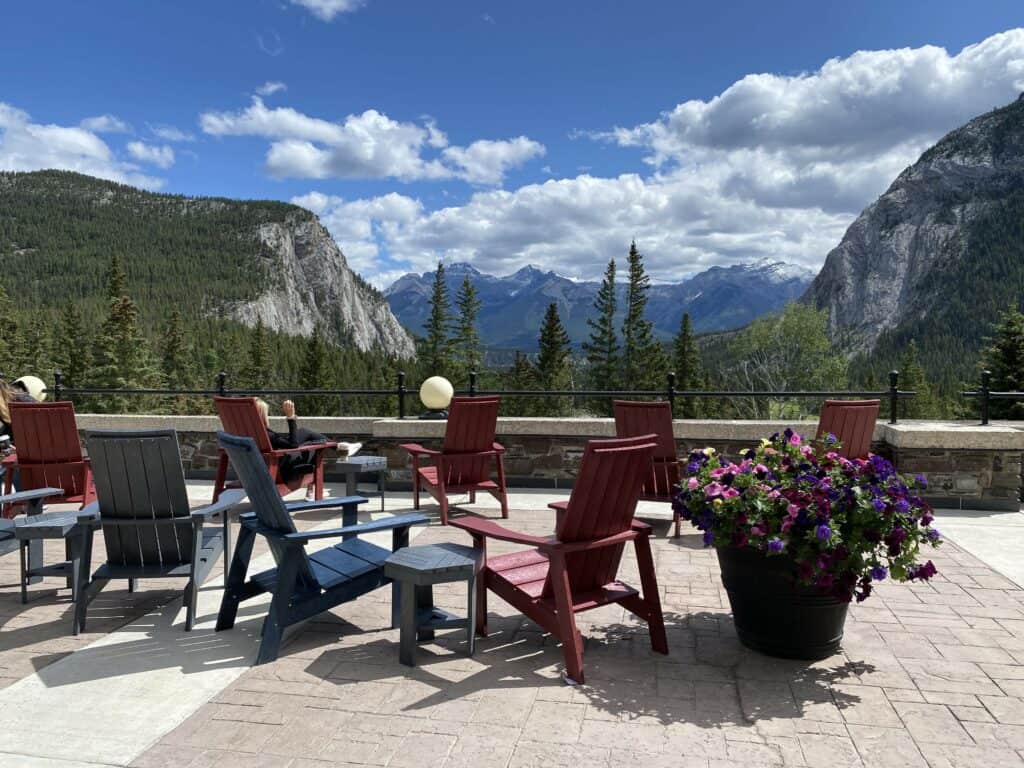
(436, 393)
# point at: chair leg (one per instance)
(424, 602)
(503, 498)
(131, 584)
(235, 579)
(222, 476)
(652, 599)
(277, 617)
(472, 497)
(677, 520)
(407, 637)
(82, 580)
(190, 599)
(480, 584)
(471, 615)
(572, 642)
(318, 476)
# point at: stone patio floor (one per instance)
(929, 675)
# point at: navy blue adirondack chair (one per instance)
(149, 530)
(303, 584)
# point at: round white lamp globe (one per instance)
(436, 392)
(35, 387)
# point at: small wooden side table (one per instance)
(51, 525)
(353, 466)
(417, 570)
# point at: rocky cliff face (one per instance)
(310, 282)
(895, 266)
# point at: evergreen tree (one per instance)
(117, 279)
(644, 363)
(174, 354)
(257, 367)
(468, 353)
(602, 348)
(71, 347)
(553, 362)
(923, 404)
(316, 374)
(1004, 357)
(436, 345)
(687, 365)
(521, 377)
(38, 350)
(122, 357)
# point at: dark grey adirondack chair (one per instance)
(148, 529)
(302, 584)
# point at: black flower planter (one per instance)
(773, 614)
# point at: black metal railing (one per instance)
(985, 396)
(893, 395)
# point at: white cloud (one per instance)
(486, 162)
(160, 156)
(170, 133)
(370, 145)
(775, 166)
(271, 87)
(105, 124)
(326, 10)
(29, 146)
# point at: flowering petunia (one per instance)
(823, 532)
(775, 544)
(878, 573)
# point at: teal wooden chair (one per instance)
(302, 584)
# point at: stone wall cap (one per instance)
(960, 435)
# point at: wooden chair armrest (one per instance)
(418, 450)
(308, 506)
(497, 447)
(559, 506)
(305, 448)
(491, 530)
(583, 546)
(390, 523)
(227, 500)
(23, 497)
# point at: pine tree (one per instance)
(644, 363)
(602, 348)
(38, 350)
(552, 362)
(256, 371)
(436, 346)
(468, 354)
(687, 365)
(71, 347)
(1004, 357)
(521, 377)
(174, 354)
(117, 279)
(316, 374)
(923, 404)
(122, 358)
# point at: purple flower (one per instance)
(879, 505)
(921, 480)
(895, 541)
(708, 538)
(878, 573)
(903, 506)
(823, 532)
(775, 544)
(934, 535)
(923, 572)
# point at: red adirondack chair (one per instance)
(49, 453)
(241, 417)
(463, 465)
(633, 419)
(575, 570)
(852, 422)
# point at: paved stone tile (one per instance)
(931, 723)
(945, 756)
(886, 747)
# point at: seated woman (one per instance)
(296, 464)
(9, 394)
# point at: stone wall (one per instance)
(967, 466)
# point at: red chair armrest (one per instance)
(559, 506)
(607, 541)
(418, 450)
(497, 447)
(303, 448)
(491, 530)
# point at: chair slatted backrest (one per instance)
(240, 416)
(143, 502)
(266, 502)
(602, 503)
(49, 452)
(472, 422)
(853, 424)
(633, 419)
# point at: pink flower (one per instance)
(806, 450)
(692, 483)
(758, 530)
(761, 469)
(787, 524)
(794, 439)
(717, 473)
(713, 490)
(730, 493)
(793, 510)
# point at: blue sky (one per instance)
(511, 133)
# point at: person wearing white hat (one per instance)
(34, 386)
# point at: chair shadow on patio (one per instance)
(709, 680)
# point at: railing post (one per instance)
(472, 383)
(986, 388)
(671, 392)
(222, 384)
(58, 385)
(401, 394)
(894, 396)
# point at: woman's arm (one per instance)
(288, 408)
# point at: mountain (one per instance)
(513, 306)
(207, 257)
(939, 255)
